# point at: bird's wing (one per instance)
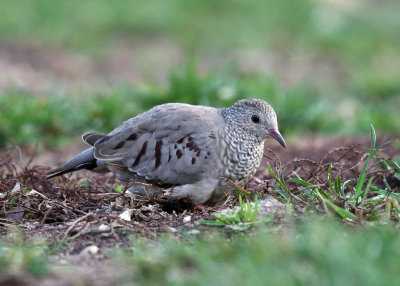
(91, 138)
(169, 144)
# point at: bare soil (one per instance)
(84, 211)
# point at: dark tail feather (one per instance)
(84, 160)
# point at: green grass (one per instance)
(363, 197)
(19, 257)
(242, 218)
(359, 30)
(314, 252)
(53, 119)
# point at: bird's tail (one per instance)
(84, 160)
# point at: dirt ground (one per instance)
(83, 213)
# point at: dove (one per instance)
(183, 151)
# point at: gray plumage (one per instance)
(183, 150)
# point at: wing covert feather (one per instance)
(170, 143)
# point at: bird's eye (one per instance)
(255, 118)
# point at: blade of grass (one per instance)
(281, 183)
(302, 182)
(345, 214)
(363, 175)
(379, 191)
(329, 177)
(338, 186)
(388, 209)
(368, 187)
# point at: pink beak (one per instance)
(274, 133)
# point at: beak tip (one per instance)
(278, 137)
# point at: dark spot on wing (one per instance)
(178, 153)
(192, 146)
(141, 153)
(198, 154)
(176, 146)
(131, 137)
(195, 148)
(158, 152)
(119, 145)
(193, 160)
(190, 139)
(180, 141)
(169, 157)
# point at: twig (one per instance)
(85, 227)
(76, 222)
(45, 215)
(236, 185)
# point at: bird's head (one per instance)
(253, 118)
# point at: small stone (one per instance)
(104, 227)
(187, 219)
(127, 215)
(90, 250)
(266, 207)
(16, 188)
(171, 229)
(193, 232)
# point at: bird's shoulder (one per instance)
(171, 116)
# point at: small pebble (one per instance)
(104, 227)
(126, 215)
(187, 219)
(90, 251)
(171, 229)
(193, 232)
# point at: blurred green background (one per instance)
(330, 66)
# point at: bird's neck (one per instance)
(242, 155)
